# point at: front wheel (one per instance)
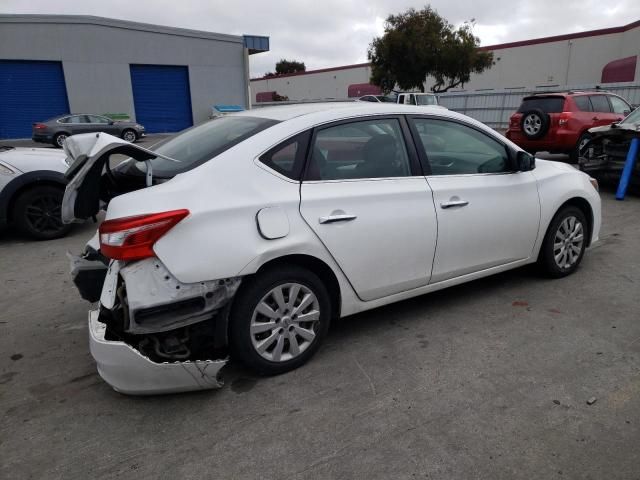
(37, 213)
(564, 243)
(580, 144)
(129, 135)
(279, 319)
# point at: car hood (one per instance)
(87, 155)
(628, 130)
(35, 159)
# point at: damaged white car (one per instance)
(244, 237)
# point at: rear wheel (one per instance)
(564, 243)
(279, 319)
(59, 139)
(534, 123)
(37, 213)
(129, 135)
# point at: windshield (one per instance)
(633, 117)
(426, 100)
(197, 145)
(385, 99)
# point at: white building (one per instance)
(598, 56)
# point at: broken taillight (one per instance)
(132, 238)
(564, 118)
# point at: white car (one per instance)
(32, 184)
(258, 229)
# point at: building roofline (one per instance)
(116, 23)
(500, 46)
(320, 70)
(568, 36)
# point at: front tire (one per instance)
(278, 319)
(580, 144)
(129, 135)
(37, 213)
(564, 243)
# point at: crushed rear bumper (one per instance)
(130, 372)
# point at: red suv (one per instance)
(558, 122)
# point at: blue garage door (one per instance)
(161, 97)
(29, 92)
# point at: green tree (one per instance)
(289, 66)
(420, 43)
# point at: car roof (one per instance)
(567, 94)
(287, 112)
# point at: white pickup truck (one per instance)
(417, 99)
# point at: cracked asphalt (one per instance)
(488, 380)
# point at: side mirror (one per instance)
(111, 122)
(525, 161)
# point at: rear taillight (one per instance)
(132, 238)
(39, 126)
(564, 118)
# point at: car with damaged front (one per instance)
(244, 237)
(605, 155)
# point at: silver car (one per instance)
(56, 130)
(32, 185)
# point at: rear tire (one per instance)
(564, 243)
(278, 319)
(534, 123)
(59, 139)
(37, 213)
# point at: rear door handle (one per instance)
(454, 203)
(337, 218)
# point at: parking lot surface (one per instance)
(485, 380)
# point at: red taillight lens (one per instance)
(132, 238)
(39, 126)
(564, 118)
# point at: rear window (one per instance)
(546, 104)
(200, 144)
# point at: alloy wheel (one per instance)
(129, 136)
(60, 139)
(568, 242)
(43, 214)
(532, 124)
(284, 322)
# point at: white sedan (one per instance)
(246, 236)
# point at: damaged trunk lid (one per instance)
(91, 178)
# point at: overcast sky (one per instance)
(328, 33)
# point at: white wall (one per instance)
(565, 62)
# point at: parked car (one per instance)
(417, 98)
(262, 227)
(605, 155)
(32, 185)
(376, 99)
(560, 122)
(56, 130)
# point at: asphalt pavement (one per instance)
(488, 380)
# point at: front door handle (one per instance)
(454, 203)
(337, 218)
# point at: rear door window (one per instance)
(600, 103)
(546, 104)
